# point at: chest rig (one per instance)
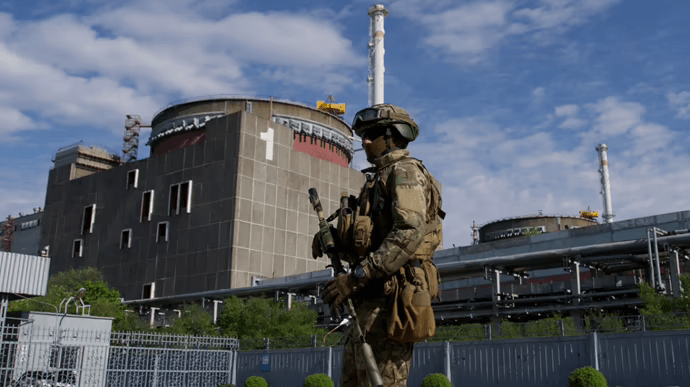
(364, 222)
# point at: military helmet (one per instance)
(385, 115)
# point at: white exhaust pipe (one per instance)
(607, 215)
(377, 12)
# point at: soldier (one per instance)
(395, 229)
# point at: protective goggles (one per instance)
(370, 116)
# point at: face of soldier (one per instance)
(374, 143)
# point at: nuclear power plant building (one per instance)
(221, 202)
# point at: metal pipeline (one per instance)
(551, 258)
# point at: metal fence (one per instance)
(47, 356)
(43, 356)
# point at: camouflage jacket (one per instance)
(404, 200)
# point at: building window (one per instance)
(249, 107)
(77, 248)
(148, 290)
(162, 235)
(146, 206)
(180, 199)
(132, 179)
(126, 239)
(88, 219)
(30, 224)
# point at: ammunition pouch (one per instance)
(412, 317)
(361, 234)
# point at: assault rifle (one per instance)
(328, 246)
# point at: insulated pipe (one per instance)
(605, 182)
(377, 12)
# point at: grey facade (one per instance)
(222, 212)
(26, 234)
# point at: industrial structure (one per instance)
(221, 208)
(220, 204)
(21, 234)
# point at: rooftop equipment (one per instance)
(130, 146)
(330, 106)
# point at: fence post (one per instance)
(595, 347)
(561, 325)
(330, 362)
(267, 343)
(314, 341)
(643, 323)
(447, 365)
(234, 367)
(487, 328)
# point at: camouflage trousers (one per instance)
(392, 357)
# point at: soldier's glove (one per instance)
(316, 250)
(340, 288)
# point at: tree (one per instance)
(104, 300)
(194, 320)
(261, 317)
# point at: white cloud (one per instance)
(134, 58)
(570, 113)
(538, 93)
(680, 102)
(467, 32)
(615, 117)
(566, 110)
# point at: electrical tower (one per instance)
(8, 230)
(130, 146)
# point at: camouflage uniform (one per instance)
(403, 202)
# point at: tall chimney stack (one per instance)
(377, 12)
(607, 215)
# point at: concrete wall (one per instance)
(274, 221)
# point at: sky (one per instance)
(512, 97)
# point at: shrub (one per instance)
(318, 380)
(587, 377)
(255, 381)
(436, 380)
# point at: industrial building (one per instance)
(221, 202)
(22, 234)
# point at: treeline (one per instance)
(240, 318)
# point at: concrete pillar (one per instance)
(215, 310)
(153, 316)
(495, 277)
(575, 290)
(676, 287)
